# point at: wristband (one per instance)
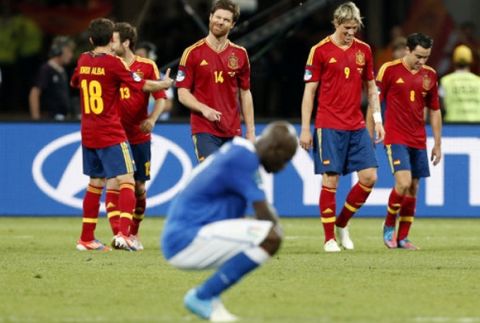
(377, 117)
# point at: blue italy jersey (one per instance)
(220, 188)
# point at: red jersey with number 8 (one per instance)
(99, 77)
(341, 73)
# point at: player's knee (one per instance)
(272, 242)
(139, 188)
(403, 186)
(369, 179)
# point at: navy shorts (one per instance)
(206, 144)
(108, 162)
(342, 151)
(402, 157)
(142, 155)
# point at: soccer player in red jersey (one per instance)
(213, 74)
(335, 71)
(106, 152)
(407, 86)
(138, 125)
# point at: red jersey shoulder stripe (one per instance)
(187, 51)
(149, 62)
(314, 48)
(385, 66)
(361, 42)
(429, 68)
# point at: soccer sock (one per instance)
(394, 204)
(91, 205)
(327, 205)
(113, 213)
(231, 272)
(407, 212)
(139, 212)
(355, 199)
(126, 204)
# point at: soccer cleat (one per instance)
(121, 241)
(344, 237)
(209, 309)
(389, 237)
(331, 246)
(136, 242)
(91, 245)
(406, 244)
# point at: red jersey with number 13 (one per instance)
(134, 102)
(99, 78)
(341, 73)
(214, 78)
(406, 94)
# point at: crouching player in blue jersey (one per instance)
(206, 228)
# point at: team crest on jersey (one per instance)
(233, 62)
(427, 82)
(360, 58)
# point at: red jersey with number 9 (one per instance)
(341, 73)
(99, 77)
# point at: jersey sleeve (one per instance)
(244, 77)
(186, 71)
(74, 80)
(313, 67)
(126, 76)
(368, 75)
(381, 82)
(432, 100)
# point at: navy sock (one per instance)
(227, 275)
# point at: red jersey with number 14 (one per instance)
(341, 73)
(406, 94)
(134, 102)
(99, 78)
(214, 78)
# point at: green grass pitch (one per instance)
(44, 279)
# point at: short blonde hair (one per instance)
(346, 12)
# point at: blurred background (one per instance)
(278, 35)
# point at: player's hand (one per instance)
(379, 132)
(166, 78)
(147, 125)
(250, 135)
(436, 155)
(306, 140)
(211, 114)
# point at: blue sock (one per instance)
(227, 275)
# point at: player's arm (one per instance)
(246, 101)
(147, 125)
(264, 211)
(436, 123)
(307, 107)
(34, 102)
(153, 86)
(376, 115)
(187, 99)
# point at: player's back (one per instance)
(99, 77)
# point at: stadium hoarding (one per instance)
(41, 174)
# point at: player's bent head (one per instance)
(100, 31)
(419, 39)
(347, 12)
(277, 145)
(127, 32)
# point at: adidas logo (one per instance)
(203, 63)
(400, 81)
(332, 60)
(327, 211)
(110, 204)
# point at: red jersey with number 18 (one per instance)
(214, 78)
(341, 73)
(99, 78)
(406, 94)
(134, 102)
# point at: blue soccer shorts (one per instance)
(108, 162)
(142, 155)
(206, 144)
(402, 157)
(343, 151)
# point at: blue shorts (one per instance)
(342, 151)
(142, 155)
(401, 157)
(108, 162)
(206, 144)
